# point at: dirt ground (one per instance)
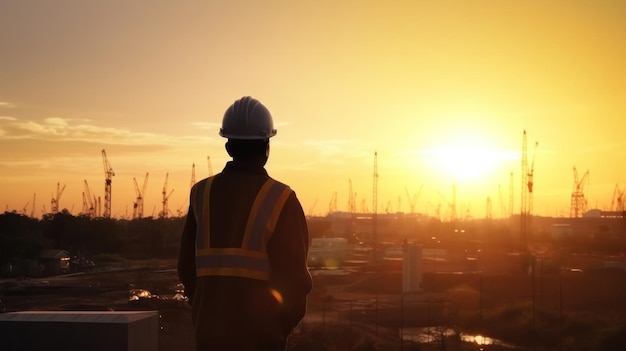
(366, 300)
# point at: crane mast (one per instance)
(527, 189)
(108, 176)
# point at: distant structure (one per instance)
(617, 203)
(208, 158)
(138, 205)
(88, 208)
(578, 205)
(193, 175)
(528, 173)
(108, 176)
(54, 202)
(165, 210)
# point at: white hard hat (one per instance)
(247, 119)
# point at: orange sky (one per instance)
(442, 90)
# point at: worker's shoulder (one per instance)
(280, 184)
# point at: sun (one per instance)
(466, 157)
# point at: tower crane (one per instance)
(138, 206)
(530, 184)
(351, 199)
(332, 206)
(528, 174)
(54, 203)
(32, 209)
(108, 176)
(24, 208)
(451, 205)
(375, 185)
(617, 203)
(88, 204)
(165, 211)
(193, 175)
(413, 199)
(578, 202)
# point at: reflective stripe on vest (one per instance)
(250, 260)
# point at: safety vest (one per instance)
(250, 260)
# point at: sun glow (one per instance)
(466, 157)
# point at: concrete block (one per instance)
(79, 330)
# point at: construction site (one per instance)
(382, 281)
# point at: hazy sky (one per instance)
(442, 90)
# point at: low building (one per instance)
(54, 262)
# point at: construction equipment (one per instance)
(351, 199)
(332, 206)
(617, 203)
(578, 205)
(413, 199)
(193, 175)
(108, 176)
(375, 185)
(528, 183)
(138, 205)
(452, 215)
(165, 197)
(89, 208)
(32, 209)
(54, 202)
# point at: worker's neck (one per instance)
(250, 161)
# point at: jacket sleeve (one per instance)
(187, 256)
(287, 251)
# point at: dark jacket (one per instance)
(236, 308)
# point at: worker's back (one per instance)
(244, 246)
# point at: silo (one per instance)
(412, 268)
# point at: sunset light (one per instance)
(442, 91)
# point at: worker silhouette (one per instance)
(244, 246)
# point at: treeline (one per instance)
(24, 238)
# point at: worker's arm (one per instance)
(287, 250)
(187, 256)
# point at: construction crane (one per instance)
(138, 205)
(511, 195)
(193, 175)
(578, 205)
(531, 181)
(413, 199)
(108, 176)
(332, 206)
(89, 208)
(54, 202)
(32, 209)
(375, 185)
(528, 182)
(451, 205)
(165, 211)
(351, 199)
(617, 203)
(311, 209)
